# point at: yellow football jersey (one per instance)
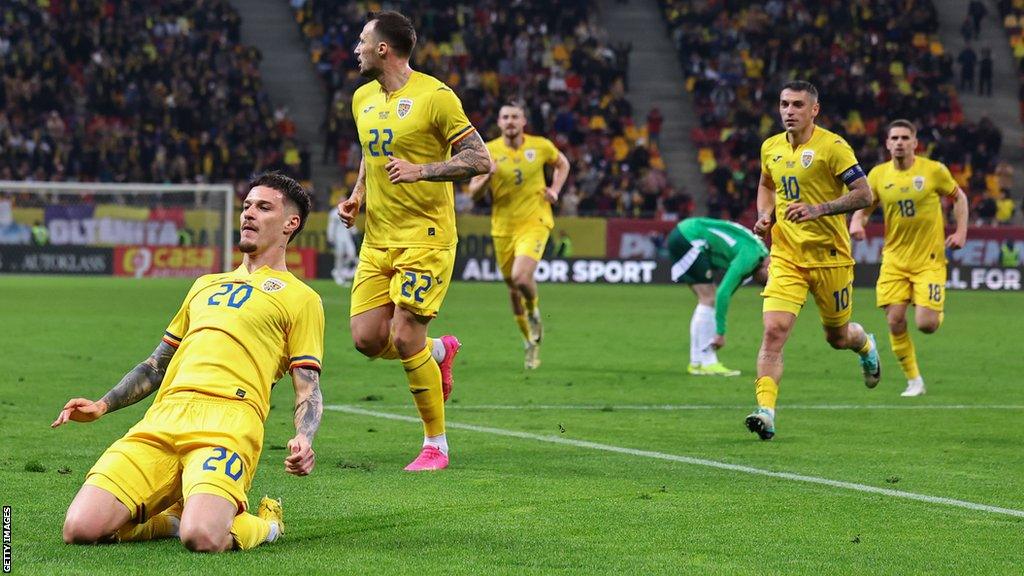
(517, 187)
(813, 173)
(419, 123)
(914, 228)
(237, 333)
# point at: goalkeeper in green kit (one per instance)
(698, 248)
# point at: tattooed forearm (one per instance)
(309, 403)
(469, 158)
(142, 380)
(858, 197)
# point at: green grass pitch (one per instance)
(522, 505)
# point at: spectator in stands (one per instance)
(967, 29)
(986, 212)
(977, 11)
(654, 122)
(985, 73)
(161, 92)
(1005, 208)
(968, 60)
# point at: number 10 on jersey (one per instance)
(790, 188)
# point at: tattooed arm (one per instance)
(859, 196)
(309, 407)
(136, 385)
(469, 158)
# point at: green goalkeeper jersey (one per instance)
(699, 246)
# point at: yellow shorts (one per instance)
(925, 287)
(414, 278)
(186, 444)
(528, 242)
(832, 288)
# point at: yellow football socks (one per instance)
(531, 305)
(163, 525)
(390, 351)
(866, 347)
(249, 531)
(903, 348)
(766, 391)
(524, 326)
(425, 384)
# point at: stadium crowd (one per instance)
(872, 62)
(135, 90)
(553, 56)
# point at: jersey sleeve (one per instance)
(873, 176)
(550, 152)
(945, 184)
(357, 100)
(448, 116)
(178, 327)
(843, 162)
(305, 340)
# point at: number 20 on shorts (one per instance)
(232, 468)
(415, 285)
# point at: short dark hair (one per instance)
(901, 123)
(516, 102)
(292, 190)
(396, 30)
(801, 86)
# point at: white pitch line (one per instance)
(697, 462)
(677, 407)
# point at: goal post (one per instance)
(178, 222)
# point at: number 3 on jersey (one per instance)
(790, 188)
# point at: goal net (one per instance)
(137, 230)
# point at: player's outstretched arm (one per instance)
(309, 408)
(859, 196)
(765, 205)
(136, 385)
(469, 158)
(961, 212)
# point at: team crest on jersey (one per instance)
(404, 107)
(806, 158)
(272, 285)
(530, 155)
(918, 183)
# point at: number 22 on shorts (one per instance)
(415, 285)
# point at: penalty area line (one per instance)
(696, 462)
